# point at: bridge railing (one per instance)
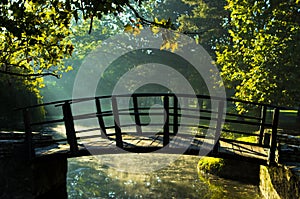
(171, 113)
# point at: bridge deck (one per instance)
(142, 144)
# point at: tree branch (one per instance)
(193, 33)
(91, 24)
(145, 21)
(139, 16)
(29, 75)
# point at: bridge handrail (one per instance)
(78, 100)
(136, 111)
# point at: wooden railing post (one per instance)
(262, 124)
(70, 129)
(28, 134)
(119, 141)
(166, 138)
(218, 127)
(271, 158)
(175, 115)
(100, 118)
(136, 115)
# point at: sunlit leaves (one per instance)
(169, 37)
(134, 27)
(169, 40)
(261, 59)
(34, 41)
(157, 27)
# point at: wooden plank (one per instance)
(164, 140)
(139, 144)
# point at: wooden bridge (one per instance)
(189, 124)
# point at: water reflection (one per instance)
(90, 177)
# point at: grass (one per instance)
(251, 139)
(289, 120)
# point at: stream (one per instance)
(97, 177)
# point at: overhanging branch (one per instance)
(148, 22)
(145, 21)
(29, 75)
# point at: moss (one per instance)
(230, 169)
(210, 165)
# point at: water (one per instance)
(90, 177)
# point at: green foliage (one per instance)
(98, 9)
(36, 41)
(83, 44)
(16, 95)
(260, 60)
(205, 23)
(58, 89)
(210, 165)
(34, 35)
(102, 29)
(33, 40)
(33, 44)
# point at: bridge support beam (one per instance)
(100, 118)
(119, 140)
(262, 124)
(273, 147)
(70, 129)
(136, 115)
(218, 127)
(175, 115)
(166, 138)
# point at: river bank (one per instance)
(88, 177)
(274, 182)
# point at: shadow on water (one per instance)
(90, 177)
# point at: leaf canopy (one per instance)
(260, 61)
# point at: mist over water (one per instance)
(93, 178)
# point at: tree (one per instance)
(206, 23)
(102, 29)
(34, 43)
(261, 59)
(83, 43)
(33, 39)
